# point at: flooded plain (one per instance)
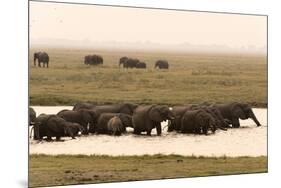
(249, 140)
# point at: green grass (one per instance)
(48, 170)
(192, 78)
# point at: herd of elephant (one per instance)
(113, 119)
(43, 57)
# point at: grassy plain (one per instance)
(192, 78)
(79, 169)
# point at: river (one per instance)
(249, 140)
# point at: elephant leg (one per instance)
(235, 123)
(91, 129)
(85, 129)
(39, 63)
(197, 131)
(136, 131)
(148, 132)
(158, 129)
(49, 138)
(47, 65)
(205, 130)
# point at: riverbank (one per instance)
(48, 170)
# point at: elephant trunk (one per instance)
(253, 117)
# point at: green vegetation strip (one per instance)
(191, 78)
(46, 170)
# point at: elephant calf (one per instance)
(103, 127)
(197, 121)
(115, 126)
(54, 126)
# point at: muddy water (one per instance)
(249, 140)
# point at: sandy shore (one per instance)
(249, 140)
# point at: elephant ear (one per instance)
(247, 109)
(126, 120)
(238, 112)
(201, 117)
(154, 114)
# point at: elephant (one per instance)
(54, 126)
(130, 63)
(32, 116)
(141, 65)
(83, 105)
(221, 123)
(115, 126)
(122, 60)
(83, 117)
(197, 121)
(162, 64)
(93, 60)
(126, 108)
(42, 57)
(235, 111)
(103, 127)
(148, 117)
(178, 111)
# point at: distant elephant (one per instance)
(141, 65)
(42, 57)
(235, 111)
(54, 126)
(83, 117)
(148, 117)
(197, 122)
(162, 64)
(122, 60)
(32, 116)
(130, 63)
(93, 60)
(103, 127)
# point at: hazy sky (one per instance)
(104, 23)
